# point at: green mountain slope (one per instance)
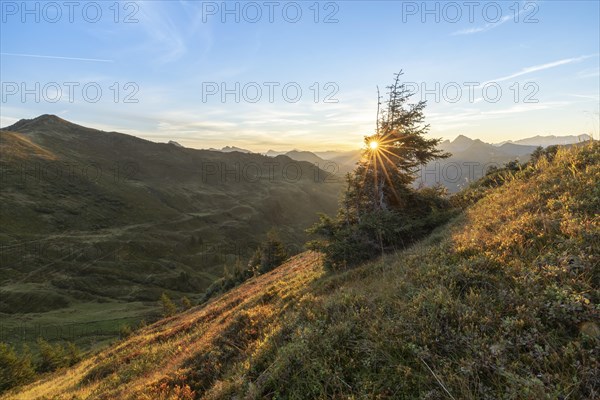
(501, 303)
(96, 225)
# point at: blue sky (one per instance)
(176, 57)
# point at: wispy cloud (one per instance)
(446, 120)
(588, 73)
(540, 67)
(175, 30)
(594, 97)
(524, 7)
(526, 107)
(57, 57)
(485, 27)
(165, 35)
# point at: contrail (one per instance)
(541, 67)
(57, 57)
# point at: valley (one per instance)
(103, 221)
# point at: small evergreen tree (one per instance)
(73, 354)
(272, 253)
(393, 155)
(168, 306)
(380, 209)
(52, 357)
(186, 304)
(15, 370)
(537, 153)
(55, 356)
(125, 331)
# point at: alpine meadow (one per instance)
(299, 200)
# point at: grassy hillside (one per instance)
(96, 225)
(502, 303)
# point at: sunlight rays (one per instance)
(378, 161)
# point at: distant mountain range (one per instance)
(546, 141)
(460, 143)
(335, 162)
(472, 157)
(230, 149)
(469, 161)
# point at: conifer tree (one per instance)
(380, 210)
(393, 154)
(168, 306)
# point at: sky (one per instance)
(283, 75)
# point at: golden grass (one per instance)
(16, 146)
(171, 343)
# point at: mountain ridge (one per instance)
(459, 143)
(550, 140)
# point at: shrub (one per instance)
(15, 370)
(347, 244)
(186, 304)
(270, 254)
(168, 306)
(125, 331)
(55, 356)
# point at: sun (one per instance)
(373, 144)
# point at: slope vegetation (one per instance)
(96, 225)
(500, 304)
